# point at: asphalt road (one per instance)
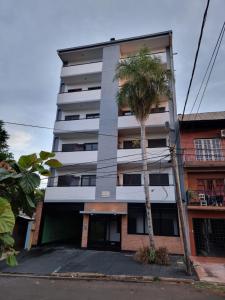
(15, 288)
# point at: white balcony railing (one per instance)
(76, 125)
(70, 194)
(78, 97)
(82, 69)
(154, 120)
(158, 194)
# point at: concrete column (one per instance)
(107, 140)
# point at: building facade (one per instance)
(96, 199)
(203, 144)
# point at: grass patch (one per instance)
(215, 287)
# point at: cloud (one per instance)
(19, 141)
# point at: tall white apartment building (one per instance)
(96, 200)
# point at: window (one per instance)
(68, 180)
(72, 147)
(91, 146)
(156, 143)
(159, 179)
(88, 180)
(74, 90)
(72, 117)
(157, 110)
(132, 144)
(208, 149)
(165, 219)
(131, 179)
(94, 88)
(92, 116)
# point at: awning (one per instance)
(88, 212)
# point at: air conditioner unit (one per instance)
(222, 133)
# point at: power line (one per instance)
(196, 56)
(203, 94)
(211, 58)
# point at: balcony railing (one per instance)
(199, 155)
(206, 197)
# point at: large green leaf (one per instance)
(45, 155)
(7, 239)
(11, 260)
(4, 174)
(30, 202)
(53, 163)
(27, 161)
(7, 219)
(29, 182)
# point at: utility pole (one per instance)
(180, 209)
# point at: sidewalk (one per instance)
(210, 269)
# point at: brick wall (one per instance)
(133, 242)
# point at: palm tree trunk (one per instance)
(146, 186)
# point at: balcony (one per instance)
(155, 121)
(81, 69)
(192, 159)
(158, 194)
(70, 194)
(73, 126)
(132, 155)
(207, 198)
(77, 157)
(79, 97)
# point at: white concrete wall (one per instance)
(77, 97)
(81, 69)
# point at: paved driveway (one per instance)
(47, 260)
(210, 269)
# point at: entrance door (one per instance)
(104, 232)
(209, 237)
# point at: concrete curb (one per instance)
(101, 277)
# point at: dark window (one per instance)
(88, 180)
(92, 116)
(159, 179)
(68, 180)
(156, 143)
(165, 219)
(72, 117)
(91, 146)
(94, 88)
(131, 144)
(131, 179)
(72, 147)
(74, 90)
(156, 110)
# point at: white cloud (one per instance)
(19, 142)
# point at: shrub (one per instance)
(162, 256)
(145, 255)
(142, 255)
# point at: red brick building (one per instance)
(203, 153)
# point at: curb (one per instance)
(101, 277)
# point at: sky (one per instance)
(32, 31)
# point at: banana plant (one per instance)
(19, 182)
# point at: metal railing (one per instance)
(204, 197)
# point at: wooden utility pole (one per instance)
(181, 210)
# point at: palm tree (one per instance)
(144, 81)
